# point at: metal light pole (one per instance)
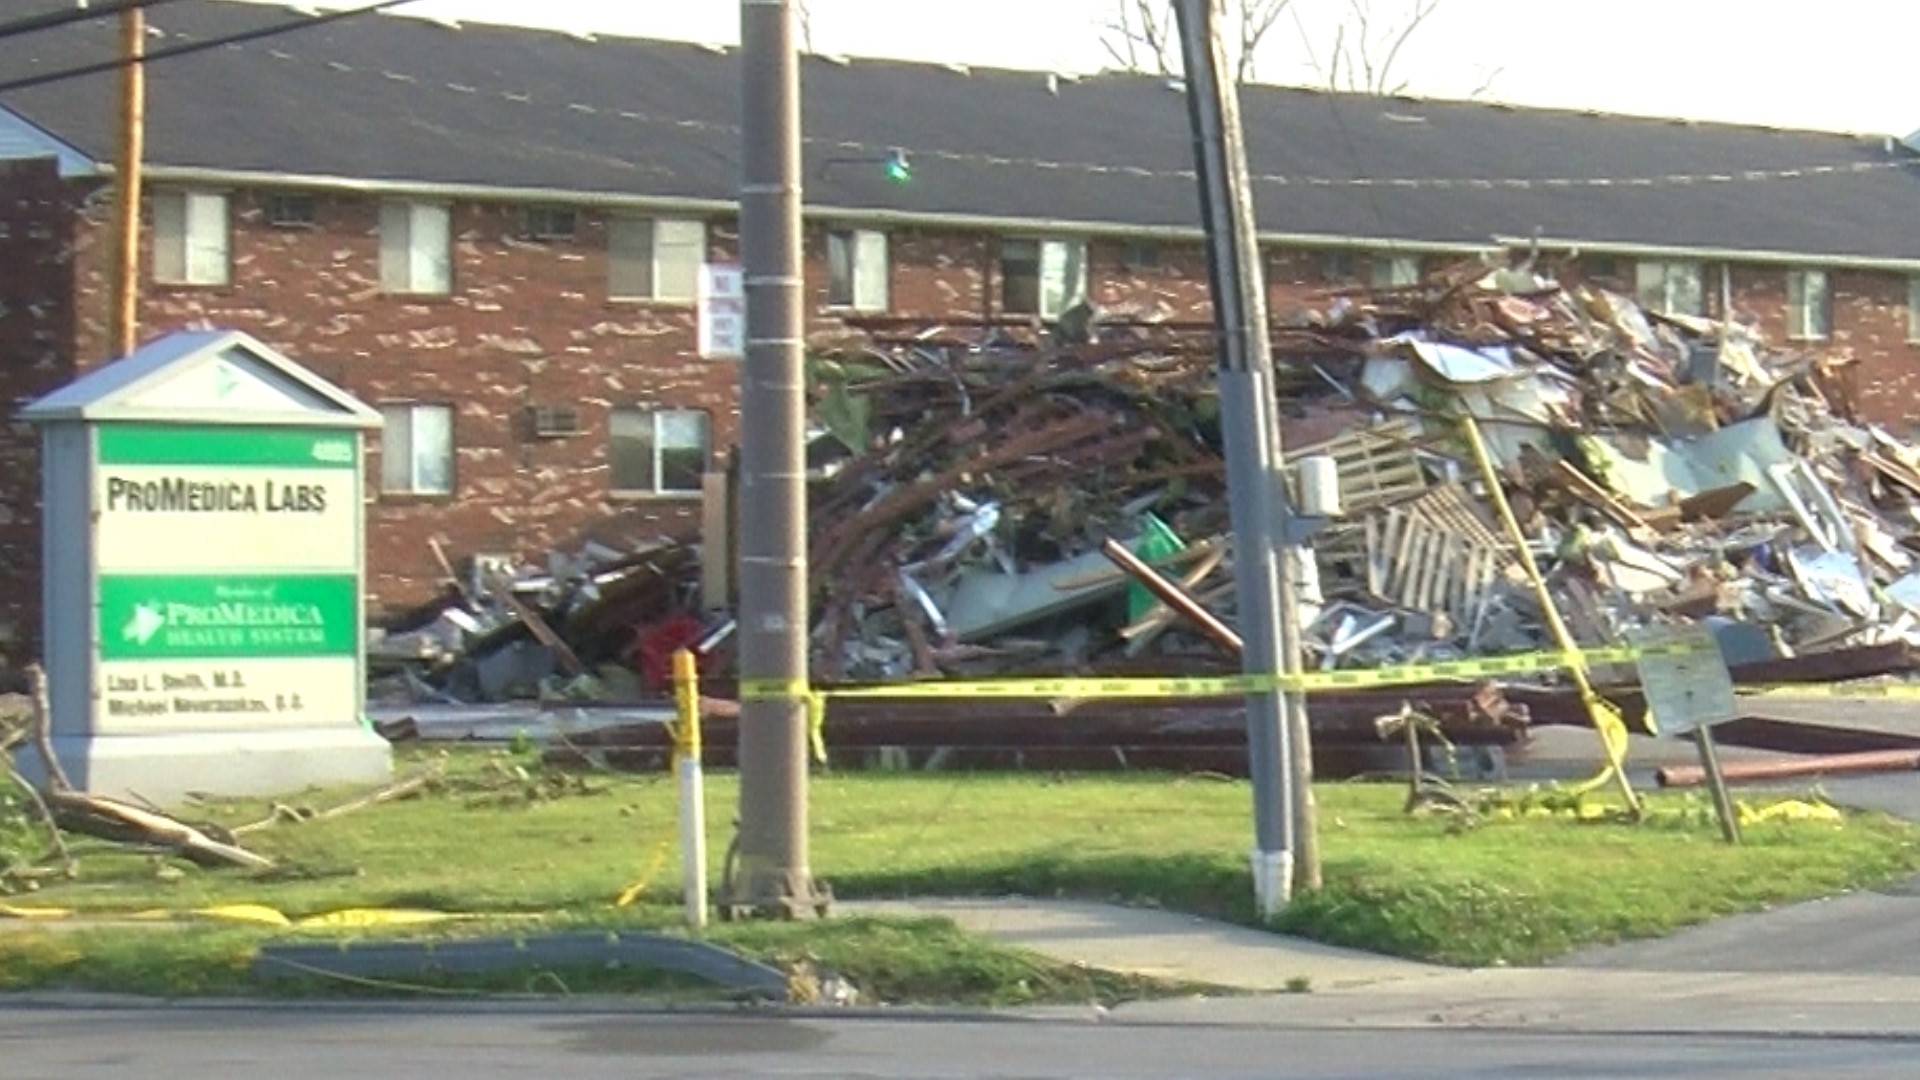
(1250, 429)
(770, 875)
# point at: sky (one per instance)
(1838, 65)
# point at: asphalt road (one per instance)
(479, 1042)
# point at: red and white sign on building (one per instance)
(723, 311)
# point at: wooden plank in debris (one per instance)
(542, 632)
(1584, 489)
(1714, 503)
(1375, 465)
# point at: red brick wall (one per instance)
(37, 212)
(530, 323)
(527, 323)
(1878, 371)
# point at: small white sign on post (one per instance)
(1685, 679)
(723, 311)
(1688, 689)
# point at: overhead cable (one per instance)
(190, 47)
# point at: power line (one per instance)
(51, 20)
(191, 47)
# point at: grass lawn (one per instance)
(536, 851)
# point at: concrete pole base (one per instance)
(1272, 882)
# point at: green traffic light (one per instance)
(899, 170)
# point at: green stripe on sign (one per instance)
(228, 616)
(165, 444)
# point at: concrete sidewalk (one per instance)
(1162, 944)
(1350, 988)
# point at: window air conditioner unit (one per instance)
(555, 421)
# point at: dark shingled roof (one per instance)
(401, 99)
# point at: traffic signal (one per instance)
(899, 169)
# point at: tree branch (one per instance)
(1421, 9)
(1257, 19)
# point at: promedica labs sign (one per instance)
(227, 586)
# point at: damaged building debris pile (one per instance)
(1667, 469)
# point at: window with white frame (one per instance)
(549, 222)
(290, 210)
(857, 269)
(190, 238)
(655, 258)
(416, 248)
(416, 449)
(1913, 308)
(1393, 271)
(1042, 277)
(1672, 288)
(1336, 266)
(657, 451)
(1809, 305)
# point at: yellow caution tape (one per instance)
(1214, 686)
(356, 918)
(634, 891)
(817, 726)
(35, 914)
(259, 914)
(1790, 810)
(254, 914)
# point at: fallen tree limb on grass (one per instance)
(399, 789)
(111, 819)
(45, 814)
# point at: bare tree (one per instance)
(1256, 18)
(1141, 36)
(1366, 48)
(804, 15)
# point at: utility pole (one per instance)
(125, 291)
(1250, 428)
(770, 875)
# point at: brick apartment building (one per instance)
(493, 236)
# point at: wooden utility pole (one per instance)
(770, 873)
(124, 322)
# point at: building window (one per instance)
(190, 238)
(655, 259)
(416, 449)
(1141, 256)
(1337, 266)
(285, 210)
(1913, 309)
(1042, 277)
(1809, 305)
(416, 248)
(1672, 288)
(550, 223)
(857, 269)
(1395, 271)
(657, 452)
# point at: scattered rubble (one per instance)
(598, 625)
(1665, 468)
(971, 482)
